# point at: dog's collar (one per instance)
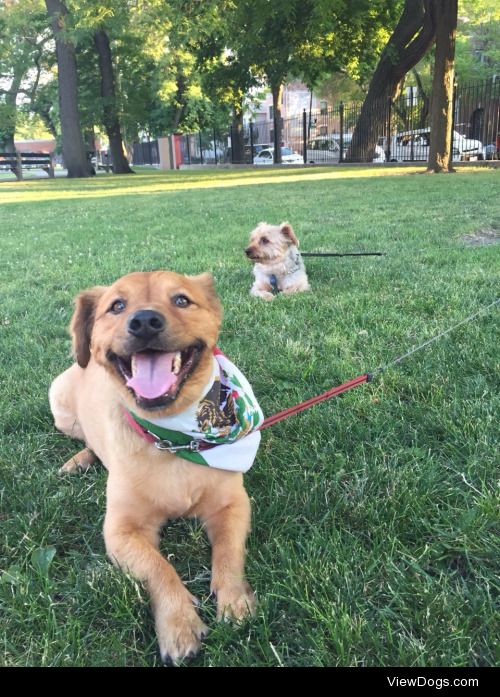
(219, 430)
(296, 266)
(273, 279)
(274, 284)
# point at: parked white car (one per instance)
(322, 149)
(288, 157)
(326, 149)
(413, 146)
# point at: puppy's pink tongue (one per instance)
(152, 374)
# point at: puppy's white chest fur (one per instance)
(289, 271)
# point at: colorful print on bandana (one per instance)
(216, 413)
(229, 410)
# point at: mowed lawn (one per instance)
(375, 515)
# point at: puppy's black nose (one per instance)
(145, 324)
(248, 252)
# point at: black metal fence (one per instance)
(396, 131)
(146, 153)
(209, 147)
(477, 114)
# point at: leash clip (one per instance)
(193, 446)
(273, 282)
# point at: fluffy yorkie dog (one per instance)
(278, 264)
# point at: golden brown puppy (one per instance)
(145, 346)
(278, 265)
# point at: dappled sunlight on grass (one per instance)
(155, 182)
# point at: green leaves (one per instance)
(41, 559)
(13, 576)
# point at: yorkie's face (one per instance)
(269, 243)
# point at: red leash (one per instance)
(280, 415)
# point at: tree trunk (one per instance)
(111, 121)
(8, 128)
(237, 144)
(9, 113)
(410, 41)
(8, 144)
(440, 150)
(277, 92)
(75, 158)
(180, 99)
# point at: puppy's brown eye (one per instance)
(264, 240)
(117, 306)
(181, 301)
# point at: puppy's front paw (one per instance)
(179, 633)
(79, 462)
(235, 602)
(264, 294)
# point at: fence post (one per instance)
(215, 147)
(277, 144)
(412, 139)
(251, 141)
(388, 141)
(304, 136)
(201, 149)
(187, 148)
(341, 119)
(453, 108)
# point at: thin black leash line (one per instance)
(418, 347)
(398, 252)
(343, 254)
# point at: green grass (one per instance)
(375, 528)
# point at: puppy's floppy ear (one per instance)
(287, 231)
(207, 284)
(82, 323)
